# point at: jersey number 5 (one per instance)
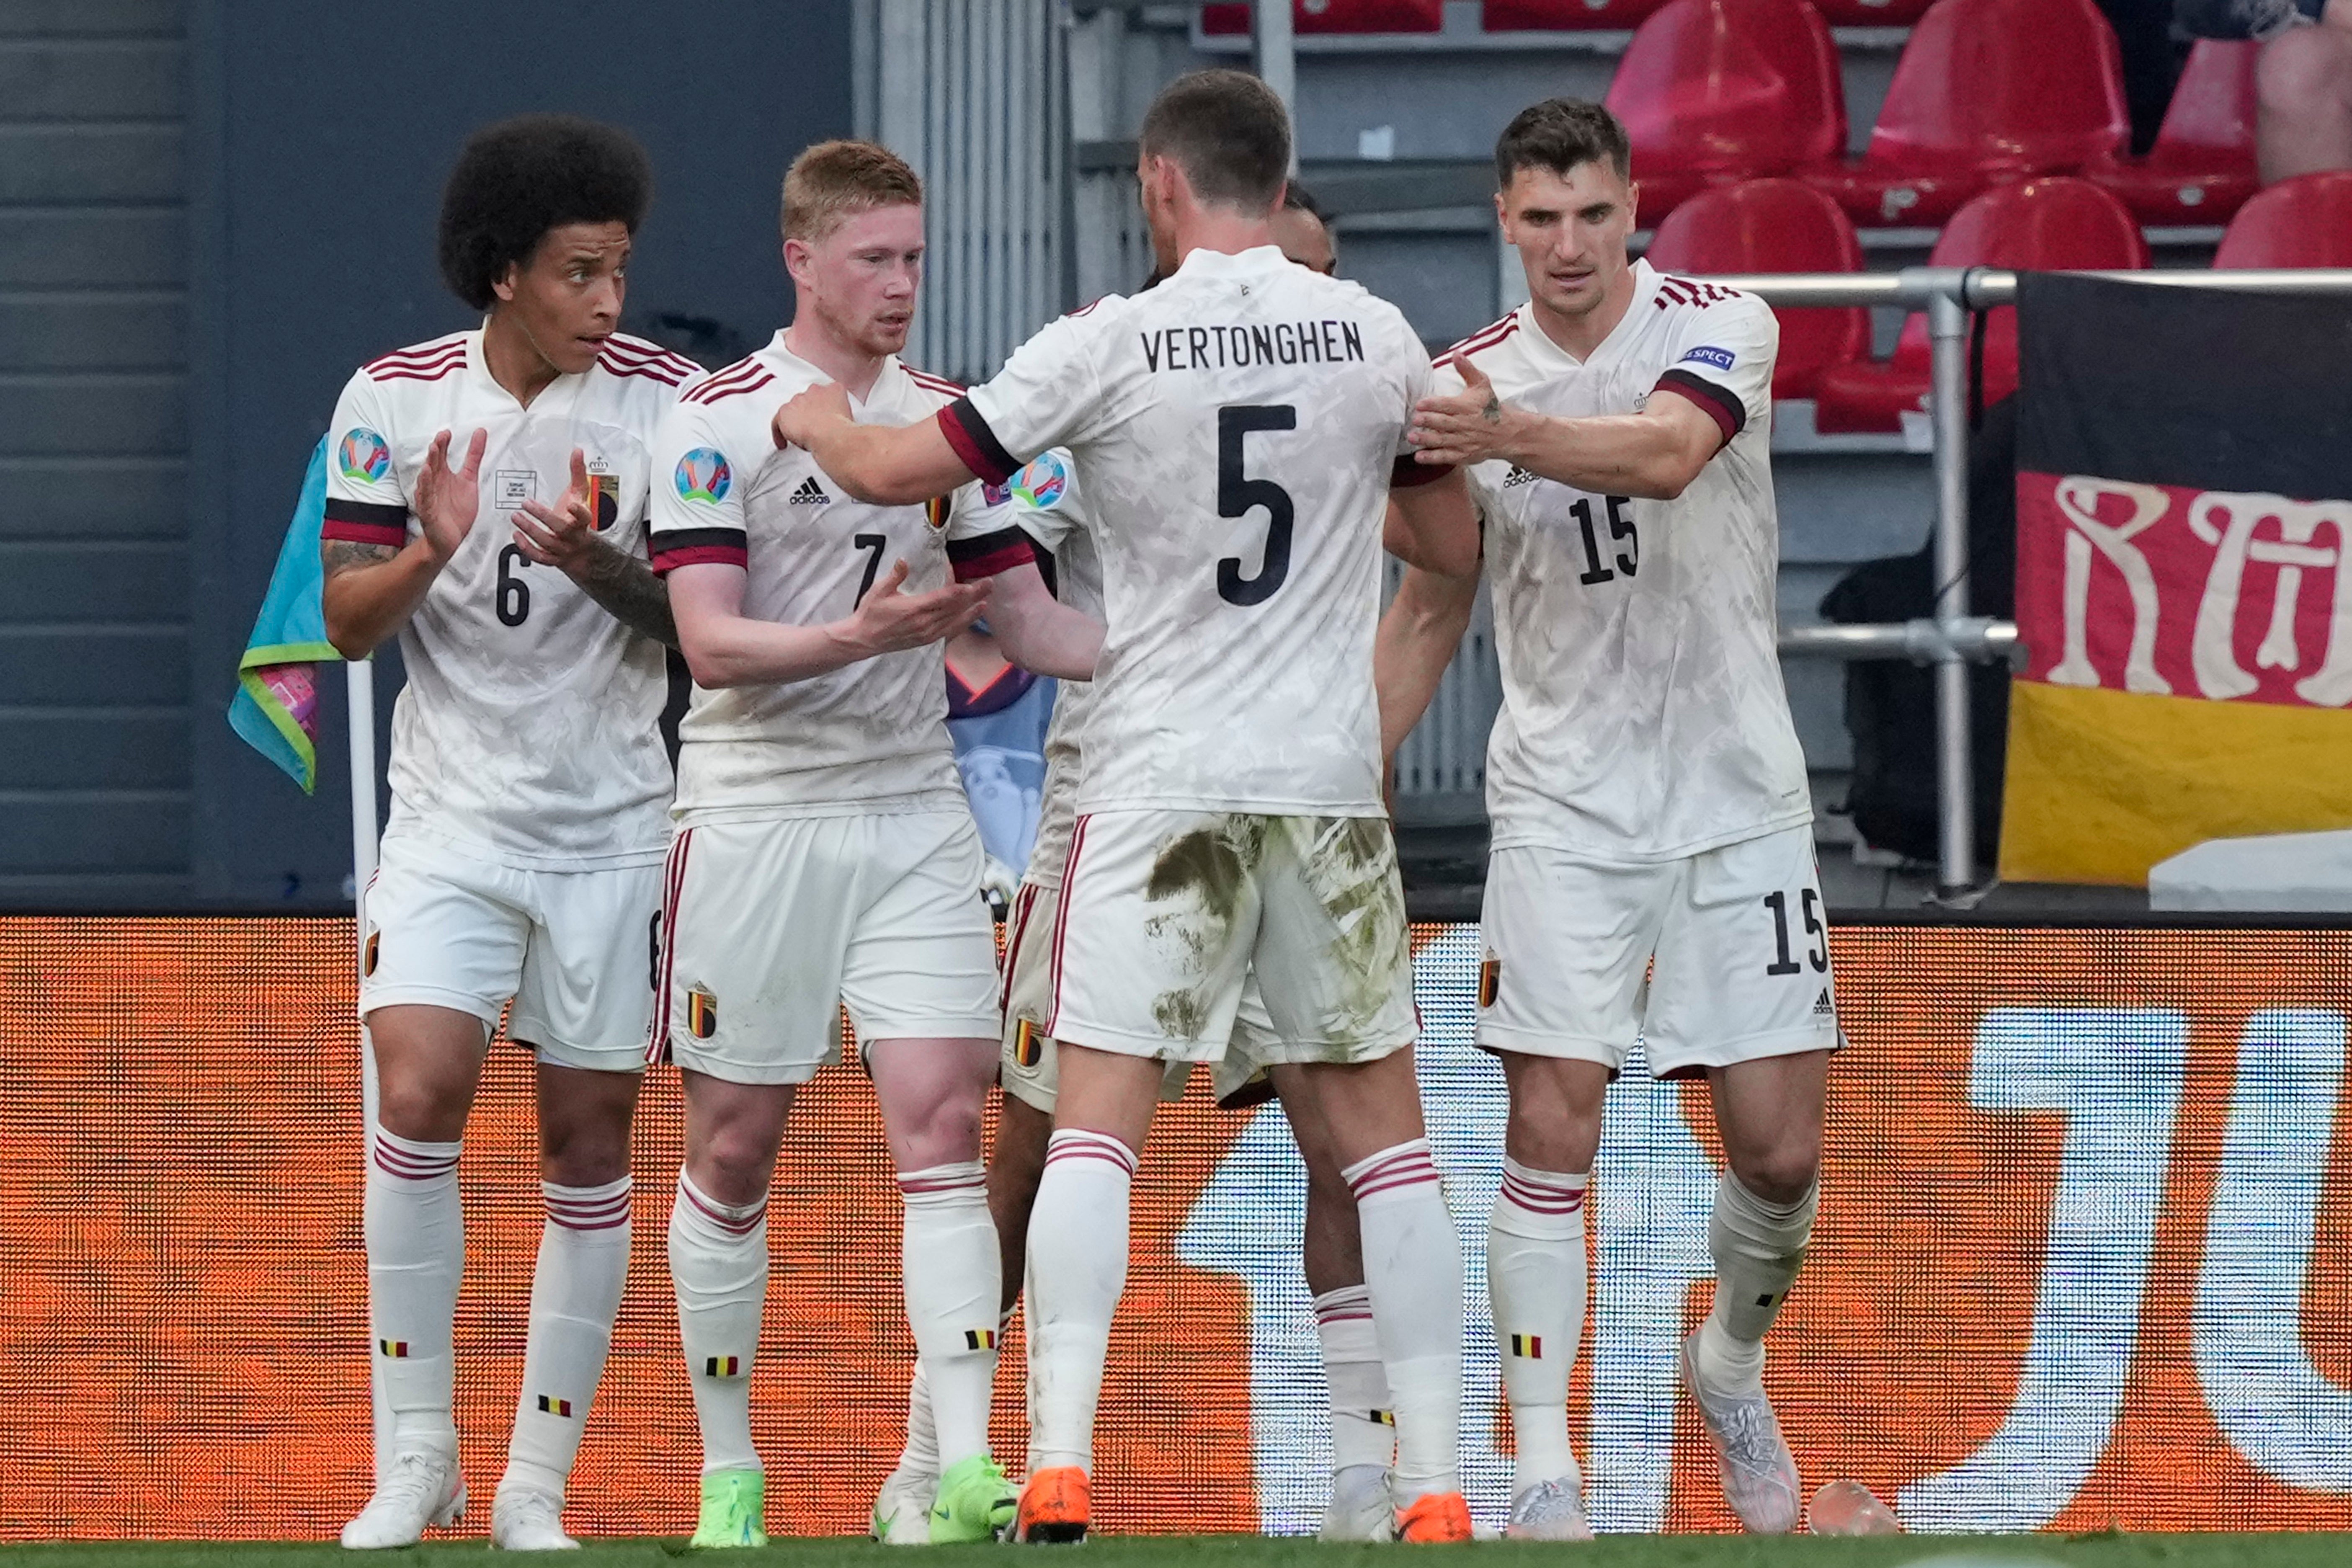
(1237, 494)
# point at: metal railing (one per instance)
(1954, 639)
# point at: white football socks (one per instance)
(921, 1456)
(1362, 1429)
(952, 1273)
(1078, 1267)
(1413, 1267)
(1757, 1248)
(1536, 1278)
(583, 1263)
(718, 1262)
(416, 1234)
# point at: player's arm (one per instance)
(1653, 455)
(1432, 524)
(564, 536)
(882, 465)
(372, 586)
(725, 648)
(1037, 631)
(1417, 639)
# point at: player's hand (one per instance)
(447, 499)
(564, 535)
(888, 619)
(797, 422)
(1467, 426)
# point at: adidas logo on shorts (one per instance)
(1518, 476)
(1822, 1006)
(811, 493)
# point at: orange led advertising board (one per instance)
(2085, 1257)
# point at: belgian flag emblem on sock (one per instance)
(1490, 980)
(1527, 1347)
(554, 1406)
(396, 1349)
(722, 1366)
(702, 1014)
(980, 1338)
(367, 963)
(1028, 1043)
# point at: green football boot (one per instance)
(975, 1502)
(734, 1510)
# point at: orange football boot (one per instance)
(1054, 1506)
(1440, 1516)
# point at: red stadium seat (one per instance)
(2042, 226)
(1715, 92)
(1563, 16)
(1986, 92)
(1337, 17)
(1871, 12)
(1773, 226)
(2201, 168)
(2303, 222)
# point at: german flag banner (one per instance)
(2184, 514)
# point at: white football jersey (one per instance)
(1045, 502)
(1643, 714)
(869, 737)
(528, 729)
(1235, 429)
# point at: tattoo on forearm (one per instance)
(630, 592)
(338, 555)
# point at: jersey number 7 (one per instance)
(1237, 494)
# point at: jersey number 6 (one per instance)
(1237, 493)
(514, 594)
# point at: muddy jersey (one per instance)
(1046, 503)
(528, 729)
(870, 736)
(1643, 714)
(1235, 429)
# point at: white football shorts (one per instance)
(574, 950)
(1165, 915)
(1026, 1067)
(1740, 947)
(775, 925)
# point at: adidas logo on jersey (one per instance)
(1822, 1006)
(1518, 476)
(811, 493)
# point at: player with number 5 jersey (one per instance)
(1237, 428)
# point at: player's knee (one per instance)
(425, 1109)
(583, 1156)
(1781, 1175)
(944, 1132)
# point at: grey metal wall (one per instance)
(971, 92)
(94, 754)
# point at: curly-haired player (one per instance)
(522, 860)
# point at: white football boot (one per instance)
(524, 1518)
(423, 1486)
(902, 1509)
(1548, 1511)
(1759, 1474)
(1361, 1506)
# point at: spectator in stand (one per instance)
(2152, 56)
(2305, 76)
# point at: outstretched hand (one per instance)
(1467, 427)
(564, 535)
(888, 619)
(797, 422)
(447, 499)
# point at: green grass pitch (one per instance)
(2105, 1551)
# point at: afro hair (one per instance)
(522, 177)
